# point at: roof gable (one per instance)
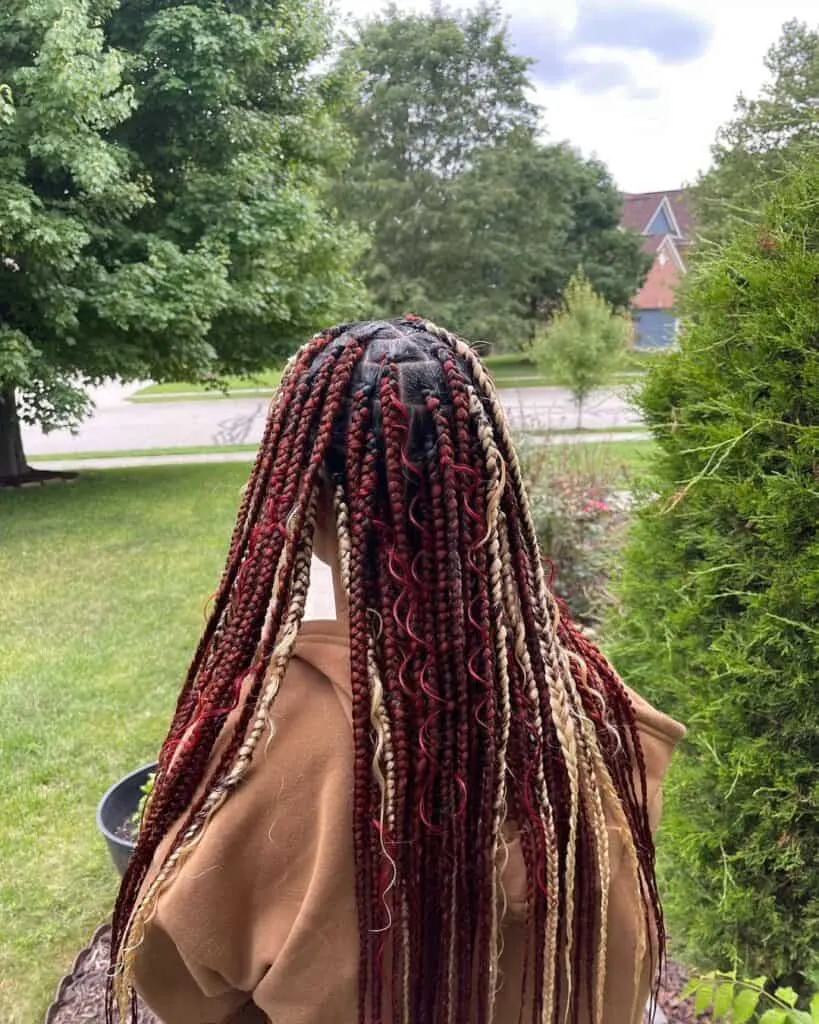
(640, 211)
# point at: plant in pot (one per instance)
(120, 812)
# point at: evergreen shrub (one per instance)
(719, 597)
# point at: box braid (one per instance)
(478, 706)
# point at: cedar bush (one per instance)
(719, 596)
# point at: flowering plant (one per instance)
(579, 513)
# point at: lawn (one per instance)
(105, 581)
(620, 462)
(265, 381)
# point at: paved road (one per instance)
(119, 425)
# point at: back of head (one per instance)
(477, 706)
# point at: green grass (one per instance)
(266, 381)
(104, 586)
(199, 396)
(140, 453)
(633, 457)
(625, 461)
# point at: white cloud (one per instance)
(643, 101)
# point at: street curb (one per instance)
(115, 461)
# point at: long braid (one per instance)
(478, 707)
(174, 791)
(454, 455)
(450, 801)
(495, 484)
(360, 513)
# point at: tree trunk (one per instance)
(14, 470)
(579, 404)
(13, 465)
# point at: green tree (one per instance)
(766, 137)
(432, 90)
(160, 196)
(720, 595)
(472, 219)
(532, 214)
(584, 342)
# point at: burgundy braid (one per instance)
(453, 449)
(360, 513)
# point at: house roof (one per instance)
(652, 243)
(659, 287)
(673, 248)
(639, 209)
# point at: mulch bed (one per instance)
(80, 996)
(676, 1010)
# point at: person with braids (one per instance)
(437, 808)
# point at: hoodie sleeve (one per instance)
(260, 922)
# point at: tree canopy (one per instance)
(162, 167)
(767, 137)
(472, 218)
(522, 220)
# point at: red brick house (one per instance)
(665, 219)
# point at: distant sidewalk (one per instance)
(134, 461)
(170, 459)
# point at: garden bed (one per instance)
(80, 997)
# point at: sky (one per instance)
(642, 84)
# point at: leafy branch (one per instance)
(740, 1000)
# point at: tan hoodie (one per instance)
(260, 923)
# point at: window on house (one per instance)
(660, 223)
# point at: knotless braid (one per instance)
(479, 711)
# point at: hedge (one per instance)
(719, 599)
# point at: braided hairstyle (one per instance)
(478, 706)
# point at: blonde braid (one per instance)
(494, 492)
(547, 813)
(342, 513)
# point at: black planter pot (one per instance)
(120, 802)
